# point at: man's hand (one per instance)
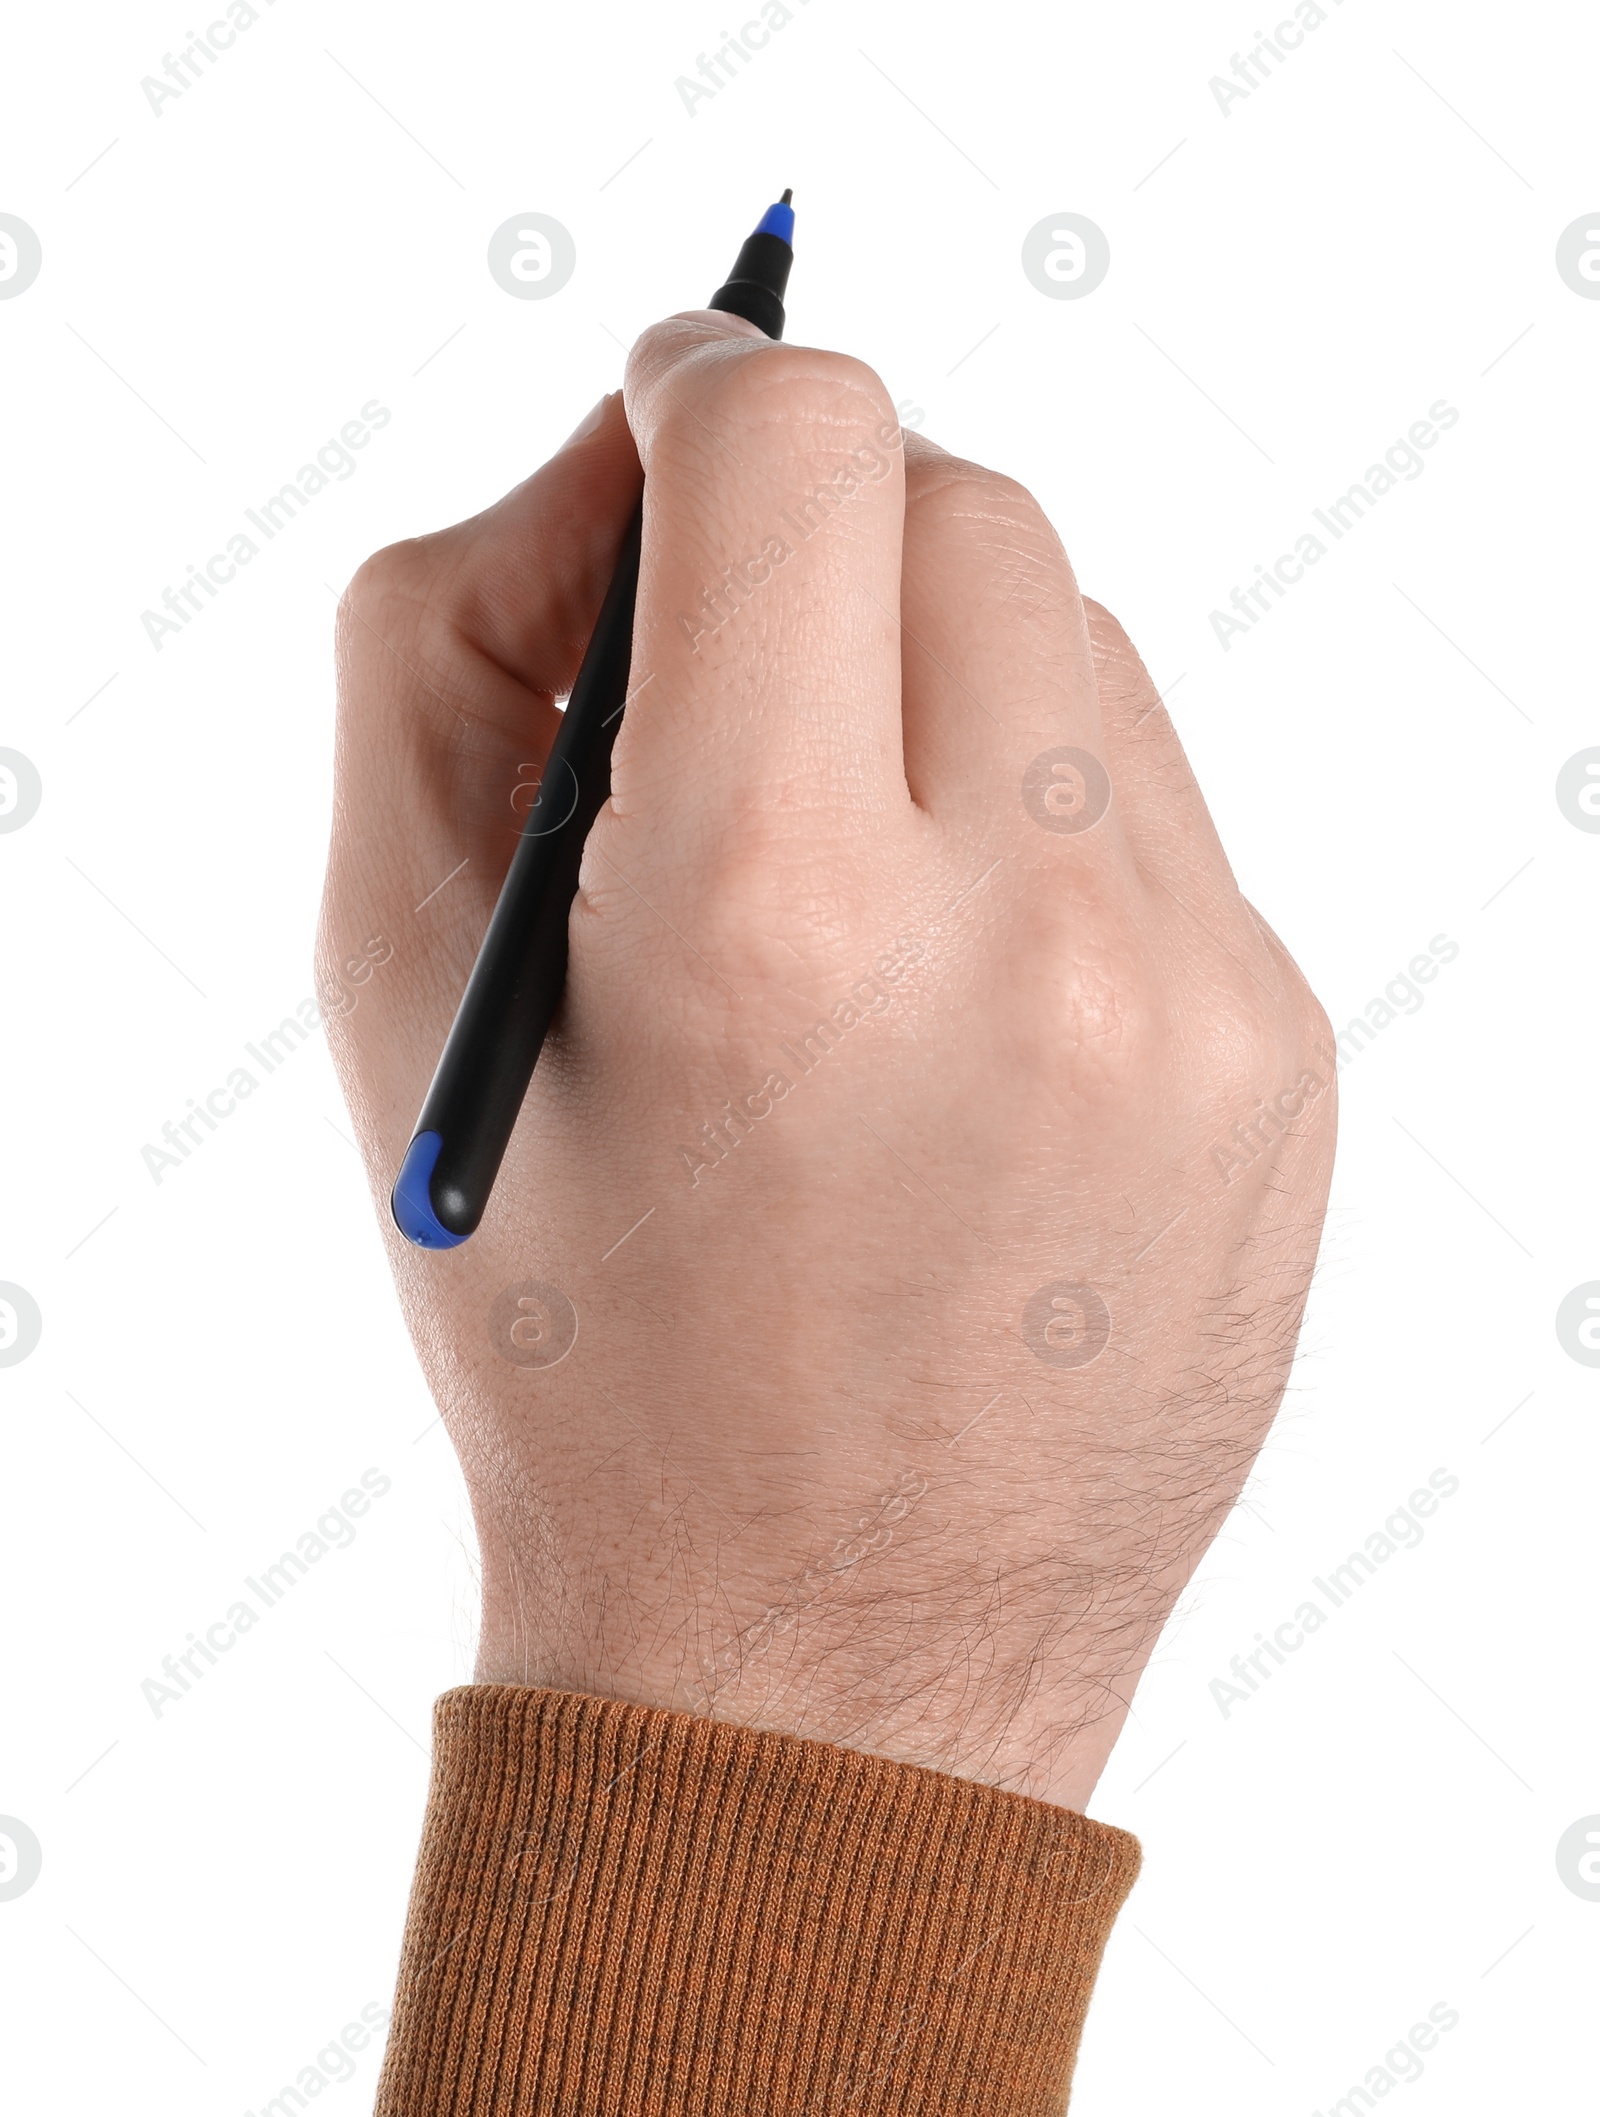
(930, 1153)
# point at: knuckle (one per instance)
(1305, 1030)
(1250, 1040)
(1107, 1009)
(399, 576)
(1098, 1012)
(953, 492)
(1119, 667)
(1106, 629)
(406, 599)
(780, 390)
(1316, 1043)
(781, 883)
(1256, 1039)
(1267, 1079)
(792, 384)
(997, 530)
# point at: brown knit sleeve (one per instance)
(620, 1912)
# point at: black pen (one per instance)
(483, 1073)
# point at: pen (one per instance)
(448, 1170)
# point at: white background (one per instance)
(1297, 281)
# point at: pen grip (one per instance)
(449, 1168)
(516, 982)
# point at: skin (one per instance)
(813, 1462)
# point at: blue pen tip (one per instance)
(778, 220)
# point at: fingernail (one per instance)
(587, 424)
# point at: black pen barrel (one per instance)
(754, 289)
(449, 1169)
(515, 986)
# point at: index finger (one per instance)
(766, 667)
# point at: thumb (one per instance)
(521, 583)
(452, 650)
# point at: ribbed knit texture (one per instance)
(620, 1912)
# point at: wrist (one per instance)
(892, 1679)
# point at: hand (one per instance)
(932, 1145)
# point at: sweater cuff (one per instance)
(620, 1912)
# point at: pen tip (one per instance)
(787, 198)
(778, 220)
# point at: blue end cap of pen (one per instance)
(778, 220)
(411, 1203)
